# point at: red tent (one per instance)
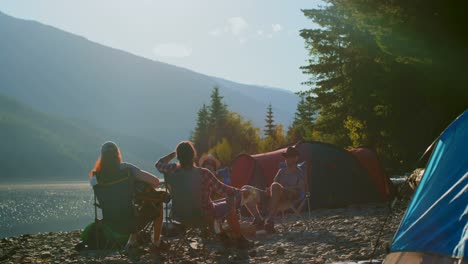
(370, 162)
(335, 176)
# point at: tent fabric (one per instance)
(418, 257)
(335, 177)
(369, 160)
(243, 171)
(436, 220)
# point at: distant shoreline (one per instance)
(31, 184)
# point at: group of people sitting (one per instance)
(193, 187)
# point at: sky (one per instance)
(247, 41)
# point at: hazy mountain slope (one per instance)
(61, 73)
(39, 147)
(265, 95)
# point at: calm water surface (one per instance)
(33, 208)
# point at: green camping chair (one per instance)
(116, 201)
(124, 211)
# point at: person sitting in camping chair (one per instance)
(288, 185)
(117, 186)
(191, 188)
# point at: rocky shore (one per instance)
(333, 235)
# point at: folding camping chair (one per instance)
(297, 206)
(116, 201)
(120, 212)
(190, 227)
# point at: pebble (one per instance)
(280, 250)
(45, 254)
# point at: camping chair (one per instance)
(188, 227)
(120, 211)
(296, 206)
(116, 201)
(190, 233)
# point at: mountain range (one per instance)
(87, 86)
(37, 146)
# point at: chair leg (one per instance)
(300, 216)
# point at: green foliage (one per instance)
(200, 136)
(387, 75)
(242, 134)
(270, 122)
(273, 142)
(304, 119)
(223, 151)
(225, 134)
(217, 117)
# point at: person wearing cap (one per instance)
(192, 188)
(209, 162)
(110, 168)
(288, 184)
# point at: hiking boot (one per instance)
(225, 240)
(270, 227)
(259, 224)
(163, 246)
(81, 246)
(243, 243)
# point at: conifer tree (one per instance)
(303, 123)
(201, 132)
(270, 123)
(218, 114)
(217, 109)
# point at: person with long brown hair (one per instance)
(110, 168)
(191, 189)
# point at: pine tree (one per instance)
(217, 109)
(304, 118)
(218, 114)
(201, 133)
(270, 123)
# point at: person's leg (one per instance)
(132, 241)
(276, 191)
(157, 227)
(234, 222)
(252, 207)
(227, 209)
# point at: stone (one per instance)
(280, 250)
(45, 254)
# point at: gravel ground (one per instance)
(332, 235)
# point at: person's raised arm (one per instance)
(163, 165)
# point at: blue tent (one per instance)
(435, 226)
